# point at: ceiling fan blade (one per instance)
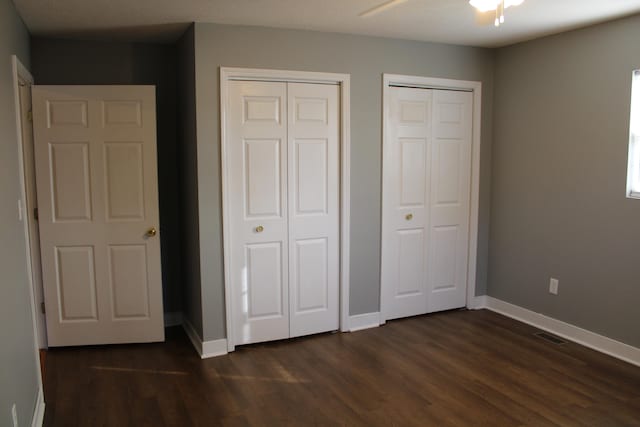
(381, 8)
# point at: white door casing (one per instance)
(96, 174)
(31, 203)
(428, 254)
(283, 164)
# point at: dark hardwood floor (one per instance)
(456, 368)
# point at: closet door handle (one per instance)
(409, 217)
(259, 229)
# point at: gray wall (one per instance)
(72, 62)
(188, 155)
(365, 58)
(559, 174)
(18, 375)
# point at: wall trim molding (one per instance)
(228, 74)
(19, 72)
(359, 322)
(173, 318)
(571, 332)
(205, 349)
(38, 413)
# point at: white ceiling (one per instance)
(446, 21)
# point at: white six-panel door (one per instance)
(283, 163)
(426, 193)
(96, 176)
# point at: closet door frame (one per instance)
(343, 81)
(393, 80)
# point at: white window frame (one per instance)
(633, 168)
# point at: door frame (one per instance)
(475, 87)
(20, 72)
(227, 75)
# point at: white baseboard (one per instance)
(205, 349)
(478, 303)
(364, 321)
(172, 319)
(573, 333)
(38, 413)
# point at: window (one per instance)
(633, 171)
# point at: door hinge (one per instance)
(30, 115)
(42, 309)
(35, 213)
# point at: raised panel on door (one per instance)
(262, 174)
(263, 295)
(96, 179)
(405, 199)
(313, 194)
(124, 180)
(70, 181)
(311, 176)
(129, 282)
(311, 267)
(256, 164)
(76, 284)
(450, 200)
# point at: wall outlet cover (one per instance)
(553, 286)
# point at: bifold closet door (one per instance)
(449, 200)
(426, 192)
(313, 134)
(282, 161)
(405, 202)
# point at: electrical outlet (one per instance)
(14, 415)
(553, 286)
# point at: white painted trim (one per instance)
(343, 80)
(474, 207)
(359, 322)
(478, 303)
(214, 348)
(172, 319)
(205, 349)
(573, 333)
(38, 412)
(19, 71)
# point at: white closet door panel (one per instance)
(405, 201)
(313, 195)
(95, 155)
(257, 157)
(450, 195)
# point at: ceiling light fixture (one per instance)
(498, 5)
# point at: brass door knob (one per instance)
(409, 217)
(152, 232)
(259, 229)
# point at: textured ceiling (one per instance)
(445, 21)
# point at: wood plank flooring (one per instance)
(450, 369)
